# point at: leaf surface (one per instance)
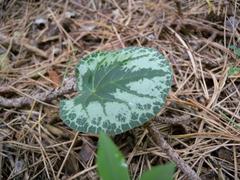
(164, 172)
(119, 90)
(110, 161)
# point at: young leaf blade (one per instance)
(164, 172)
(110, 161)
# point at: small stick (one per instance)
(189, 52)
(181, 164)
(68, 87)
(185, 119)
(23, 43)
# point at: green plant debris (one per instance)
(233, 71)
(236, 50)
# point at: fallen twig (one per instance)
(181, 164)
(23, 42)
(68, 87)
(185, 119)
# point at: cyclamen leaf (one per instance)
(119, 90)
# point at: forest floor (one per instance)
(42, 41)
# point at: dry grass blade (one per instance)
(65, 159)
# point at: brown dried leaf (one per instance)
(4, 63)
(72, 165)
(54, 77)
(54, 130)
(232, 23)
(86, 152)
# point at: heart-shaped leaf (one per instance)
(119, 90)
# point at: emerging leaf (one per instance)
(111, 164)
(119, 90)
(164, 172)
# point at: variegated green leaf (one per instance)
(119, 90)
